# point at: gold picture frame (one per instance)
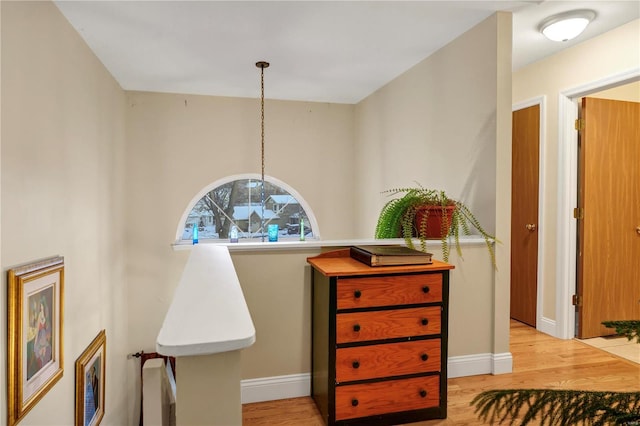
(35, 355)
(90, 379)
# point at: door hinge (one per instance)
(578, 213)
(579, 124)
(576, 300)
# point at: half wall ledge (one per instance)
(207, 324)
(208, 313)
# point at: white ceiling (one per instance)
(326, 51)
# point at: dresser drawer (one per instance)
(384, 360)
(388, 290)
(387, 324)
(387, 397)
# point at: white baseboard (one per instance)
(297, 385)
(277, 387)
(502, 363)
(547, 326)
(473, 365)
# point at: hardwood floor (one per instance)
(539, 361)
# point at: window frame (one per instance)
(253, 176)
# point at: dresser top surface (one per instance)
(340, 263)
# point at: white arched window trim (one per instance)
(252, 176)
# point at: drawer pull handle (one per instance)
(354, 402)
(355, 364)
(424, 321)
(423, 393)
(357, 294)
(356, 328)
(424, 357)
(425, 289)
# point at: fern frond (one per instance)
(406, 225)
(628, 328)
(469, 217)
(390, 218)
(557, 407)
(422, 226)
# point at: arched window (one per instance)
(236, 201)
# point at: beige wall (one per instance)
(277, 288)
(62, 166)
(179, 144)
(601, 57)
(627, 92)
(440, 124)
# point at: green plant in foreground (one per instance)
(563, 407)
(557, 407)
(628, 328)
(397, 219)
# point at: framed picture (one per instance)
(35, 297)
(90, 377)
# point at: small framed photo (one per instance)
(35, 297)
(90, 378)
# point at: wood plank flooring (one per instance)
(539, 361)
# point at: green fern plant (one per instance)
(557, 407)
(563, 407)
(397, 219)
(628, 328)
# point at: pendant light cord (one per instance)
(262, 119)
(262, 65)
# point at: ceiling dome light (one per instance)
(566, 26)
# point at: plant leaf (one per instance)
(557, 407)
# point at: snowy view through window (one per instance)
(238, 203)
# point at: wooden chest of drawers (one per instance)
(379, 345)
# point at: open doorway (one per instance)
(567, 196)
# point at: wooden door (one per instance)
(608, 270)
(525, 141)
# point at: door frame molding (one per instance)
(541, 324)
(568, 194)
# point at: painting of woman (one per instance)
(90, 404)
(39, 347)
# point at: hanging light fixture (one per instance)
(262, 65)
(566, 26)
